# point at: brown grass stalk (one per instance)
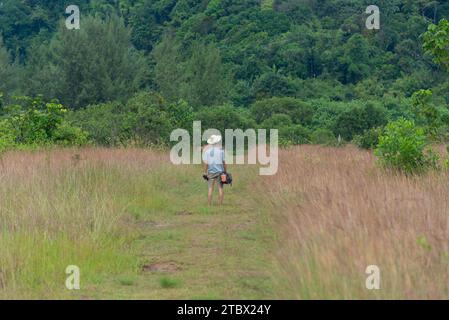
(337, 213)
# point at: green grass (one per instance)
(134, 233)
(168, 283)
(219, 252)
(127, 280)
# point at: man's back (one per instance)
(214, 157)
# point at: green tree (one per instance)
(273, 84)
(207, 80)
(356, 120)
(299, 112)
(7, 71)
(168, 70)
(200, 77)
(94, 64)
(146, 19)
(224, 117)
(355, 60)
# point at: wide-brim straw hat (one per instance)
(214, 139)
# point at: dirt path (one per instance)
(188, 250)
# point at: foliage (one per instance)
(66, 134)
(357, 119)
(294, 134)
(36, 122)
(298, 66)
(94, 64)
(368, 139)
(200, 78)
(297, 111)
(7, 136)
(436, 42)
(146, 119)
(8, 71)
(402, 146)
(324, 137)
(425, 111)
(106, 123)
(224, 117)
(206, 79)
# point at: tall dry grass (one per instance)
(337, 213)
(64, 207)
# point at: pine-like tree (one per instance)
(94, 64)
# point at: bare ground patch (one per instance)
(162, 267)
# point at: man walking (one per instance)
(214, 166)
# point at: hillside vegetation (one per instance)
(308, 68)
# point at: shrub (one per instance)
(324, 137)
(107, 124)
(294, 134)
(276, 121)
(68, 135)
(146, 119)
(224, 117)
(35, 122)
(7, 136)
(298, 111)
(285, 143)
(152, 126)
(368, 139)
(273, 84)
(356, 120)
(326, 112)
(402, 147)
(181, 115)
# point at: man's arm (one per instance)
(204, 159)
(224, 162)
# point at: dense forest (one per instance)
(137, 69)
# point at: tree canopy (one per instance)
(297, 65)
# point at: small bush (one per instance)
(402, 146)
(297, 111)
(35, 122)
(296, 134)
(277, 120)
(369, 139)
(323, 137)
(107, 124)
(224, 117)
(68, 135)
(7, 136)
(356, 120)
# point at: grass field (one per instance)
(139, 228)
(337, 213)
(136, 226)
